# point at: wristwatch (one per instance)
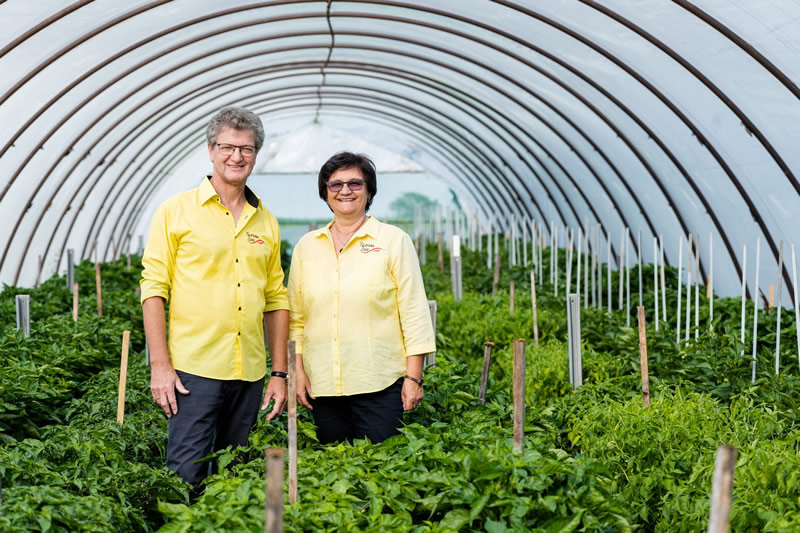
(419, 381)
(277, 374)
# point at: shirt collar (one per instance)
(370, 227)
(207, 192)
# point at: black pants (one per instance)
(215, 414)
(375, 415)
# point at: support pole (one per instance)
(99, 288)
(75, 302)
(778, 319)
(455, 267)
(655, 280)
(534, 311)
(722, 489)
(755, 307)
(796, 306)
(487, 359)
(430, 359)
(643, 357)
(291, 426)
(680, 291)
(496, 281)
(519, 394)
(24, 313)
(574, 340)
(70, 267)
(744, 295)
(123, 376)
(440, 253)
(273, 459)
(511, 291)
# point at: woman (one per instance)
(358, 313)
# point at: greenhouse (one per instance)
(594, 198)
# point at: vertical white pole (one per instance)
(489, 245)
(627, 277)
(620, 265)
(663, 281)
(778, 320)
(796, 306)
(540, 246)
(711, 282)
(555, 255)
(755, 306)
(524, 229)
(697, 287)
(655, 278)
(680, 291)
(608, 269)
(744, 292)
(586, 271)
(569, 264)
(580, 263)
(688, 286)
(639, 261)
(552, 251)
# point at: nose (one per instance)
(237, 154)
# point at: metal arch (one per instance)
(741, 43)
(677, 112)
(42, 25)
(134, 213)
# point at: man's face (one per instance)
(234, 168)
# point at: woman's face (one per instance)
(347, 202)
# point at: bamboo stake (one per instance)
(643, 357)
(511, 291)
(721, 490)
(273, 501)
(680, 291)
(534, 311)
(755, 307)
(778, 319)
(440, 256)
(123, 376)
(796, 306)
(771, 300)
(744, 292)
(75, 302)
(496, 281)
(99, 289)
(291, 426)
(655, 280)
(487, 359)
(519, 394)
(639, 261)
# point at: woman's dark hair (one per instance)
(347, 160)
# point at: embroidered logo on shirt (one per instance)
(367, 247)
(252, 238)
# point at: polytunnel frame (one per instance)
(752, 208)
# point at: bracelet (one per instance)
(419, 381)
(278, 374)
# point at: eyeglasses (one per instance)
(353, 185)
(228, 149)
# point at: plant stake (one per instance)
(273, 502)
(643, 357)
(123, 376)
(744, 292)
(663, 284)
(496, 281)
(688, 286)
(574, 340)
(455, 267)
(796, 307)
(608, 269)
(697, 286)
(75, 302)
(24, 313)
(70, 267)
(487, 359)
(680, 291)
(534, 311)
(430, 359)
(711, 282)
(755, 307)
(291, 426)
(519, 394)
(440, 252)
(655, 279)
(511, 298)
(778, 325)
(99, 289)
(721, 489)
(639, 261)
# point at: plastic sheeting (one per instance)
(666, 117)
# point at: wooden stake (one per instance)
(292, 423)
(511, 291)
(534, 311)
(273, 502)
(123, 376)
(643, 358)
(519, 394)
(771, 302)
(487, 359)
(440, 257)
(721, 490)
(496, 281)
(75, 302)
(99, 289)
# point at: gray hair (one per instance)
(237, 118)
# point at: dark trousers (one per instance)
(215, 414)
(375, 415)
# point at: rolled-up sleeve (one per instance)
(274, 291)
(412, 303)
(158, 259)
(296, 311)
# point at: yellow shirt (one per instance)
(219, 279)
(356, 317)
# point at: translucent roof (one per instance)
(666, 117)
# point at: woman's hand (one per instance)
(303, 384)
(411, 394)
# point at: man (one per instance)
(214, 253)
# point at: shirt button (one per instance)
(226, 213)
(240, 308)
(238, 284)
(239, 333)
(237, 259)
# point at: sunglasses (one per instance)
(353, 185)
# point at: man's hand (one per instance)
(164, 381)
(411, 395)
(276, 390)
